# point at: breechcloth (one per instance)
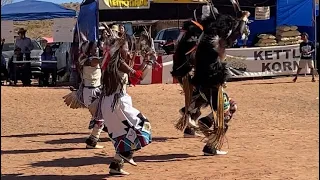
(197, 102)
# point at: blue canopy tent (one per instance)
(300, 13)
(34, 10)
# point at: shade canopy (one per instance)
(295, 12)
(34, 10)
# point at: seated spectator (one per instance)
(20, 70)
(4, 71)
(48, 68)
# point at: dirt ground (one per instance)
(274, 135)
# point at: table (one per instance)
(25, 62)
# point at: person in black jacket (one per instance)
(306, 49)
(2, 42)
(4, 70)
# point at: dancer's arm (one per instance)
(124, 67)
(241, 26)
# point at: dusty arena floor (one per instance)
(274, 135)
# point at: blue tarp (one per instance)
(34, 10)
(295, 12)
(88, 20)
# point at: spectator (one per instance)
(103, 38)
(24, 43)
(3, 61)
(306, 50)
(4, 71)
(115, 30)
(26, 46)
(122, 33)
(20, 70)
(48, 68)
(2, 42)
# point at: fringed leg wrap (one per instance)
(189, 117)
(183, 122)
(187, 89)
(206, 124)
(215, 140)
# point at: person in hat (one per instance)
(26, 46)
(122, 33)
(24, 43)
(306, 49)
(115, 30)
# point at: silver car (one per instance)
(164, 35)
(63, 56)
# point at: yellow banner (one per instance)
(125, 4)
(179, 1)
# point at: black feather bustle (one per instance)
(210, 72)
(181, 62)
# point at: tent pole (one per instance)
(315, 32)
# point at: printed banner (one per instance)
(124, 4)
(264, 61)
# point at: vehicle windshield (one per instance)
(10, 46)
(171, 34)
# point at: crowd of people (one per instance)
(18, 69)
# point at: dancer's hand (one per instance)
(138, 74)
(135, 77)
(246, 13)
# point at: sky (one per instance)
(56, 1)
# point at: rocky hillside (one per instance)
(42, 28)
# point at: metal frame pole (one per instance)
(315, 31)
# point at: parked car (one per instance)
(164, 36)
(63, 56)
(8, 51)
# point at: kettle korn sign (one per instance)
(264, 61)
(124, 4)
